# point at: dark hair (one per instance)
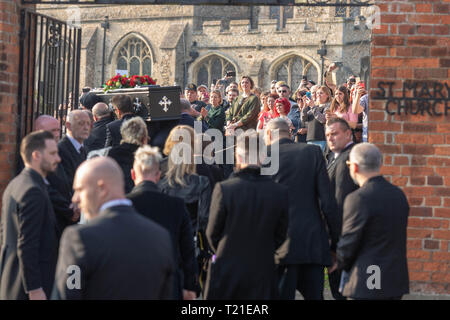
(123, 103)
(89, 100)
(335, 106)
(343, 123)
(32, 142)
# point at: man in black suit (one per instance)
(169, 212)
(307, 250)
(340, 142)
(123, 107)
(372, 248)
(97, 138)
(29, 244)
(59, 189)
(247, 223)
(118, 254)
(186, 118)
(71, 148)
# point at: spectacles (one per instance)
(282, 91)
(348, 162)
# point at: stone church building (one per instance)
(181, 44)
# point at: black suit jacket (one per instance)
(29, 244)
(170, 213)
(121, 255)
(97, 137)
(70, 158)
(374, 234)
(60, 192)
(341, 182)
(188, 120)
(302, 170)
(248, 222)
(124, 156)
(113, 135)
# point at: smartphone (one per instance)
(231, 74)
(308, 94)
(338, 63)
(214, 81)
(305, 78)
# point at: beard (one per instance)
(48, 167)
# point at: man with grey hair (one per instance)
(97, 138)
(134, 135)
(247, 223)
(169, 212)
(372, 248)
(71, 148)
(119, 254)
(303, 256)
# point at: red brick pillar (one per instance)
(413, 45)
(9, 78)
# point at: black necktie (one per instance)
(83, 152)
(331, 160)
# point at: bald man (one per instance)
(97, 138)
(60, 189)
(48, 123)
(71, 148)
(118, 254)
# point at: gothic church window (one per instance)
(212, 68)
(135, 57)
(293, 68)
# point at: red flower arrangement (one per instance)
(119, 82)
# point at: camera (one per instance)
(230, 74)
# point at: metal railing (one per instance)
(49, 69)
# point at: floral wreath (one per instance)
(120, 82)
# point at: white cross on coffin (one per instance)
(165, 102)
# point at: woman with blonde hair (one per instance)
(316, 116)
(181, 180)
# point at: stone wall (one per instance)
(261, 45)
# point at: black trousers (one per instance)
(334, 279)
(308, 279)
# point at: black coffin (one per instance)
(153, 103)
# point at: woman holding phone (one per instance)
(315, 116)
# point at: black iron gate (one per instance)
(49, 69)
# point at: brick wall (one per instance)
(413, 44)
(9, 66)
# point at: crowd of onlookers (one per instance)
(109, 211)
